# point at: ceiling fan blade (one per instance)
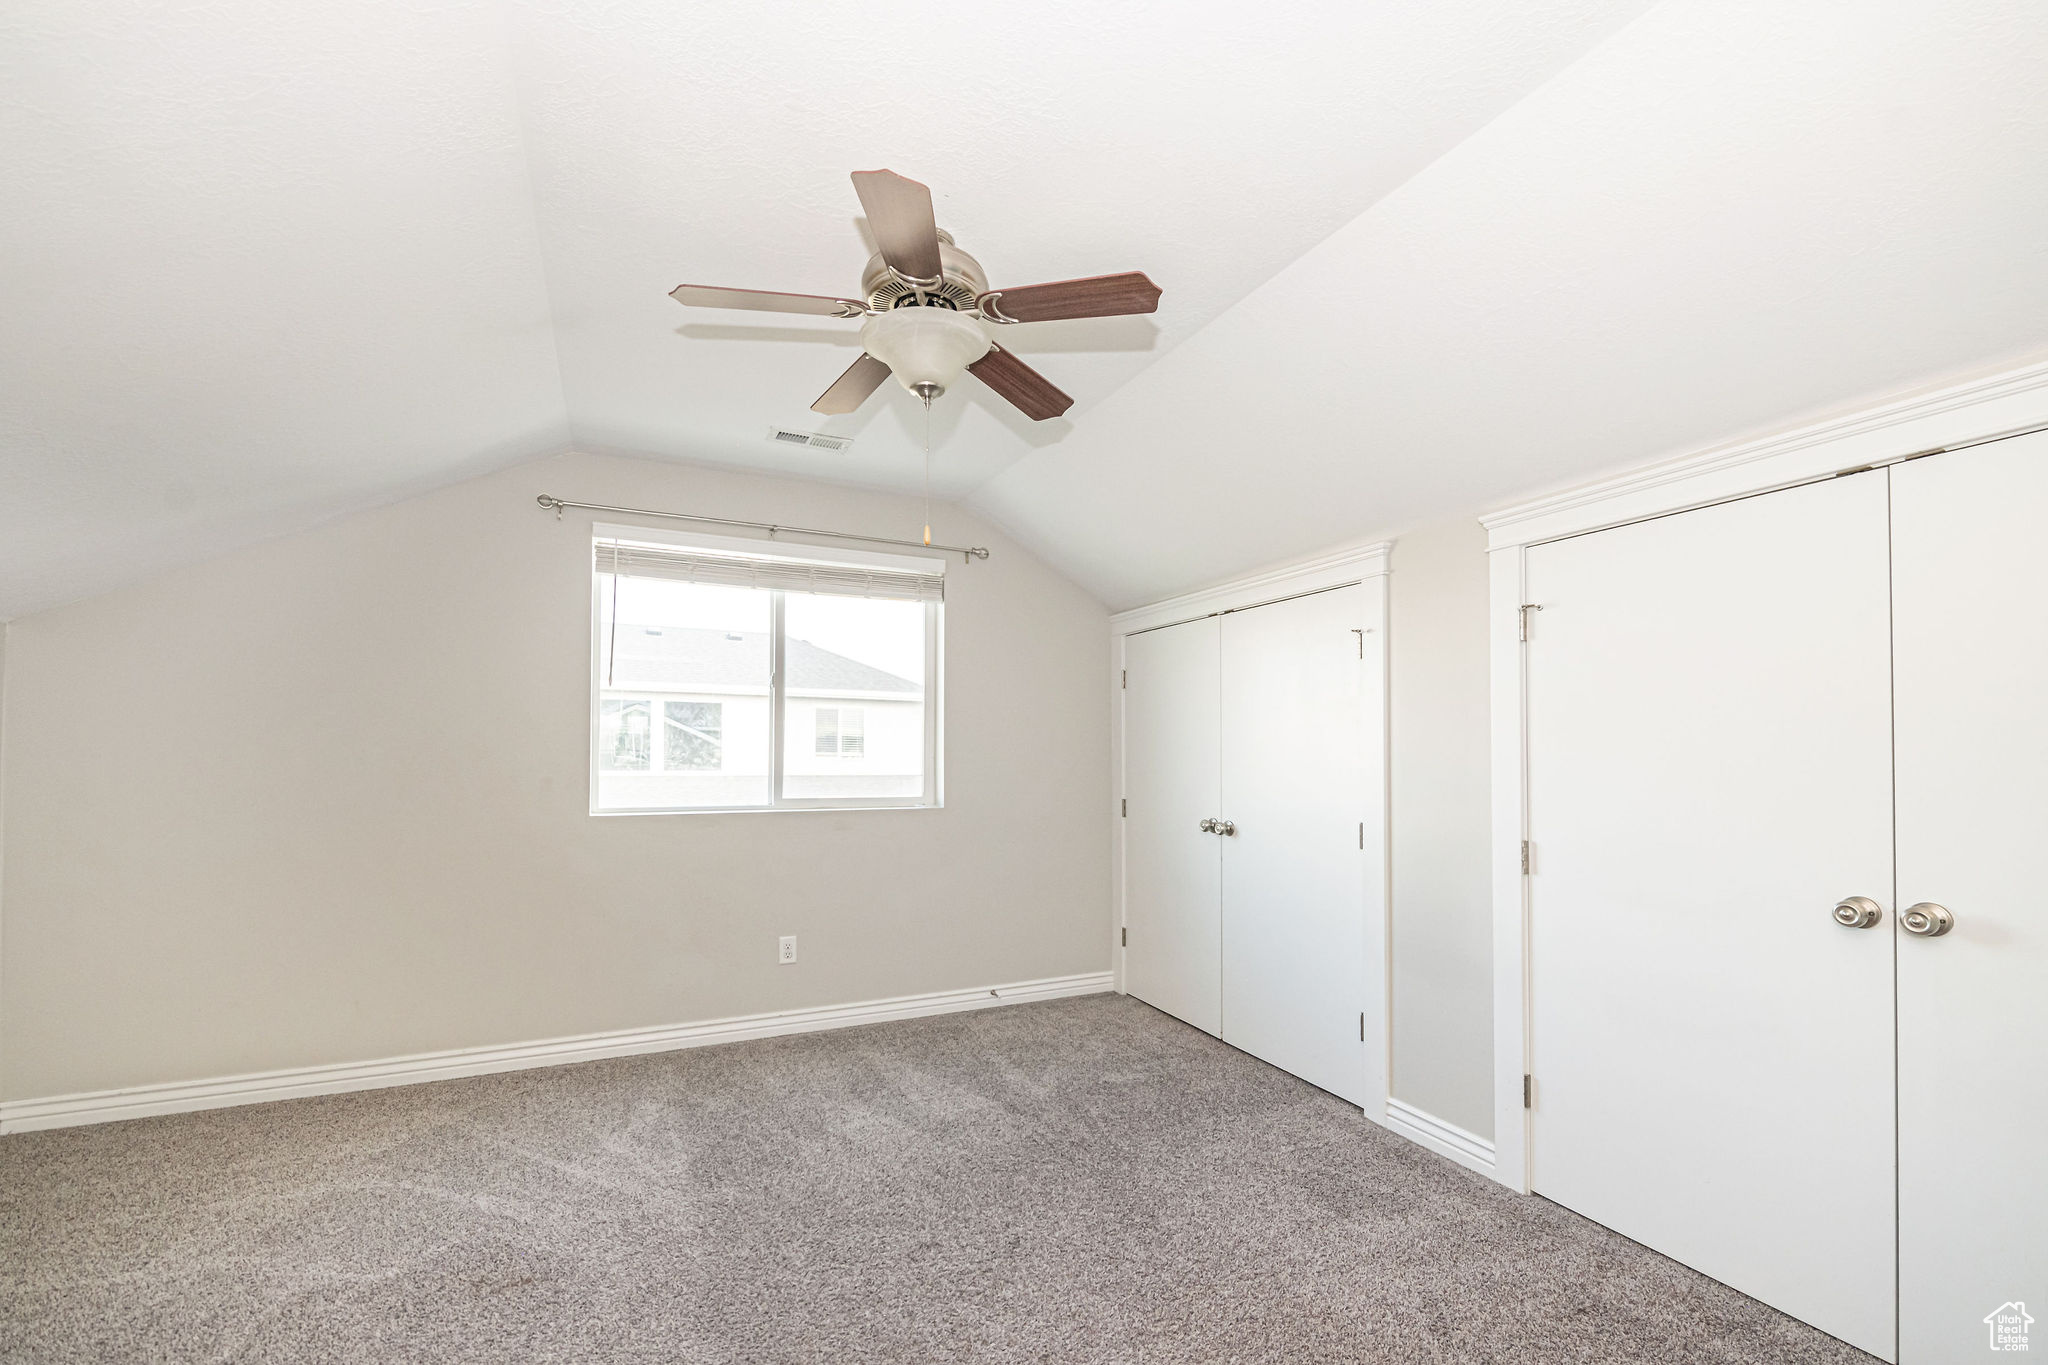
(1031, 392)
(900, 215)
(1098, 296)
(766, 301)
(851, 389)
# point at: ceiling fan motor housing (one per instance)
(961, 282)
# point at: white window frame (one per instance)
(933, 795)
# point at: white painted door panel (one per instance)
(1172, 908)
(1710, 772)
(1293, 783)
(1971, 636)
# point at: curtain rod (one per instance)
(966, 552)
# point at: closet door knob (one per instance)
(1229, 827)
(1858, 912)
(1927, 920)
(1207, 827)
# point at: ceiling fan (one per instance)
(925, 302)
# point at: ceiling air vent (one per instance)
(816, 440)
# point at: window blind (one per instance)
(682, 564)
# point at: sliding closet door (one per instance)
(1293, 870)
(1710, 773)
(1970, 599)
(1171, 895)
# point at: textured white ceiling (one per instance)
(265, 264)
(1208, 144)
(261, 263)
(1727, 216)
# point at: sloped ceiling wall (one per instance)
(1725, 216)
(261, 264)
(1205, 143)
(264, 266)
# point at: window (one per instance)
(622, 735)
(693, 731)
(734, 675)
(840, 729)
(690, 735)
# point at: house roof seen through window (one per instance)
(656, 655)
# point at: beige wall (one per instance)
(1442, 898)
(325, 800)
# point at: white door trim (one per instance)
(1919, 422)
(1507, 694)
(1916, 423)
(1366, 565)
(1335, 569)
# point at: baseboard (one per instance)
(104, 1106)
(1445, 1139)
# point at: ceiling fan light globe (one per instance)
(924, 346)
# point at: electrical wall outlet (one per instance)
(786, 953)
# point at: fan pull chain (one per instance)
(927, 469)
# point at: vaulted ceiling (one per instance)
(265, 264)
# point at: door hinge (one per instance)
(1124, 808)
(1361, 834)
(1359, 631)
(1524, 611)
(1528, 1091)
(1528, 855)
(1124, 937)
(1127, 679)
(1361, 1026)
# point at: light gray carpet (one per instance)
(1080, 1180)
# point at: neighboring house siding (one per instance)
(715, 667)
(742, 773)
(893, 744)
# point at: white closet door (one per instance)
(1293, 872)
(1710, 773)
(1172, 952)
(1970, 602)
